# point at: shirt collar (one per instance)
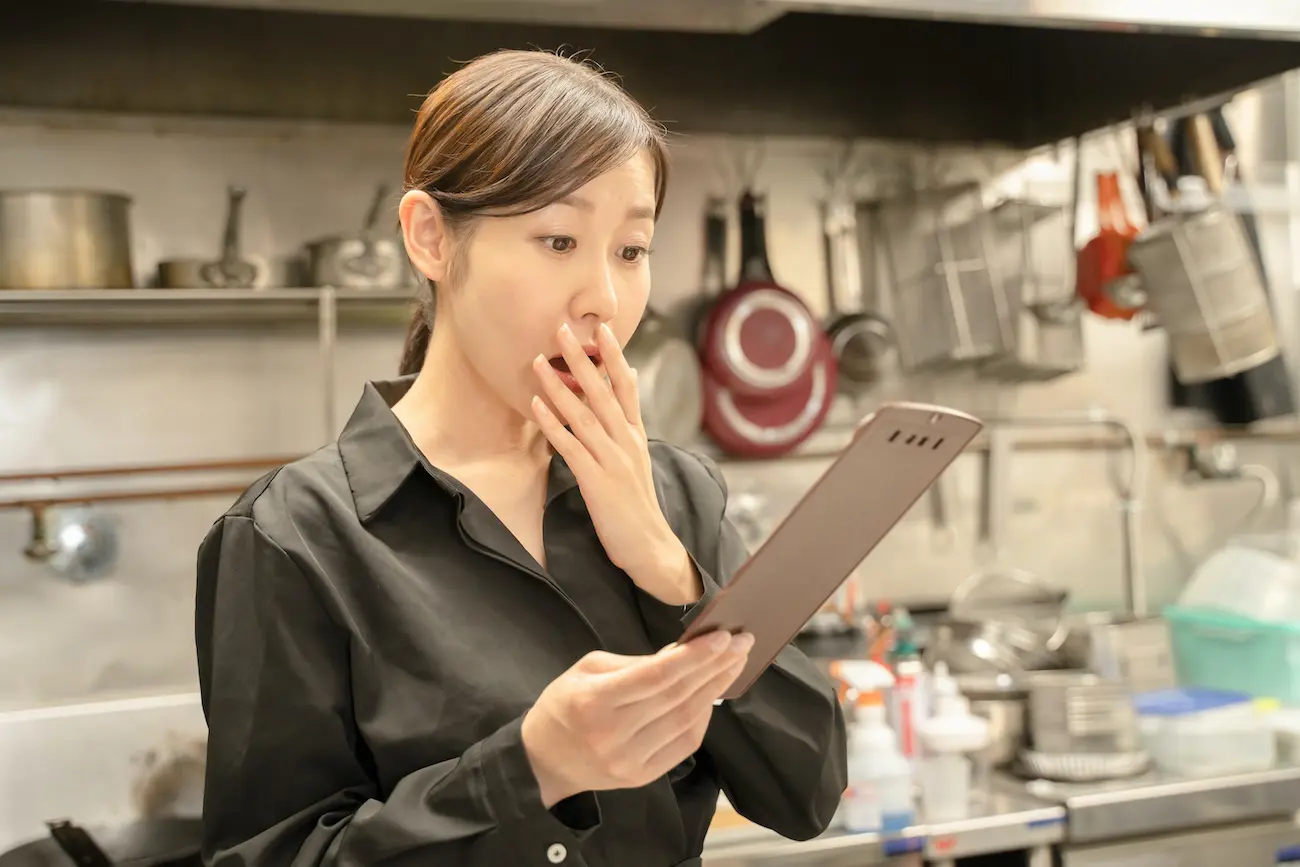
(379, 456)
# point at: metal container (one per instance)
(1075, 712)
(1204, 286)
(65, 239)
(1136, 650)
(371, 259)
(1000, 699)
(1046, 316)
(230, 271)
(950, 305)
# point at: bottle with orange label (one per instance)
(879, 794)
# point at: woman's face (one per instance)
(581, 261)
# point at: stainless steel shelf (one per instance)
(207, 308)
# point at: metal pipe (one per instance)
(38, 504)
(327, 336)
(148, 469)
(1127, 487)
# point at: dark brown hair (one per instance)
(510, 133)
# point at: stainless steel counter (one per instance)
(1005, 821)
(1094, 821)
(1159, 804)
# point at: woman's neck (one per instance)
(455, 418)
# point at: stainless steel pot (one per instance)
(371, 259)
(1000, 699)
(230, 271)
(65, 239)
(1075, 712)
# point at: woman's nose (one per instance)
(599, 297)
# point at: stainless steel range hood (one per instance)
(701, 16)
(1020, 73)
(1272, 19)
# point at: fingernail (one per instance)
(606, 330)
(718, 641)
(564, 329)
(540, 359)
(742, 644)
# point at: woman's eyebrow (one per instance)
(636, 212)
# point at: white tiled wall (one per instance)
(93, 397)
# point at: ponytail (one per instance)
(417, 343)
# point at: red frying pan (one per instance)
(759, 338)
(772, 425)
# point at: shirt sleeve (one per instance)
(780, 749)
(288, 780)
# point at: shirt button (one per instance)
(556, 853)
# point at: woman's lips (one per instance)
(561, 368)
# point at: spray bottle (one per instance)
(879, 795)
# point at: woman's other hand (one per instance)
(620, 722)
(606, 450)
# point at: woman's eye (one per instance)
(634, 254)
(559, 243)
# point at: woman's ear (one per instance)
(424, 231)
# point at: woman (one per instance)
(450, 638)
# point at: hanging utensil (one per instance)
(1046, 312)
(950, 308)
(759, 337)
(1258, 393)
(773, 425)
(1203, 282)
(694, 312)
(1103, 274)
(755, 335)
(863, 343)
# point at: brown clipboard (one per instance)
(895, 455)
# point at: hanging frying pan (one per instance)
(863, 343)
(759, 338)
(770, 426)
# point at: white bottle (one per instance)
(879, 796)
(950, 733)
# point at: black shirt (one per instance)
(370, 636)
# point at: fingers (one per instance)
(683, 716)
(667, 670)
(585, 425)
(575, 454)
(599, 396)
(622, 379)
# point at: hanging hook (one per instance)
(750, 161)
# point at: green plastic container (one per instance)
(1219, 650)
